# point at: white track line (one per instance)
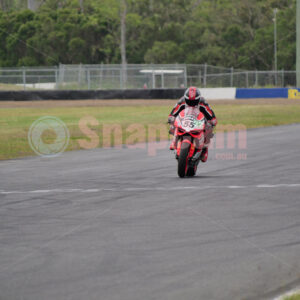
(143, 189)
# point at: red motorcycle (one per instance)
(189, 133)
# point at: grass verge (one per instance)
(294, 297)
(10, 87)
(16, 119)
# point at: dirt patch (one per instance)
(107, 103)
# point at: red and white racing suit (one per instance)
(207, 112)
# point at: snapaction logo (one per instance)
(48, 136)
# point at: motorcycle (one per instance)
(189, 132)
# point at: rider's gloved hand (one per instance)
(172, 130)
(213, 122)
(209, 129)
(171, 120)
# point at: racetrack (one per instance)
(119, 224)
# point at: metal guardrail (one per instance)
(94, 77)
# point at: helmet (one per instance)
(192, 96)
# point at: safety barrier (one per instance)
(291, 93)
(218, 93)
(101, 94)
(209, 94)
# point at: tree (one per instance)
(164, 53)
(237, 33)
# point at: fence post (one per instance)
(282, 74)
(101, 76)
(162, 78)
(204, 75)
(89, 78)
(231, 77)
(256, 78)
(124, 76)
(79, 76)
(62, 74)
(121, 78)
(24, 78)
(153, 77)
(247, 80)
(185, 77)
(56, 78)
(276, 78)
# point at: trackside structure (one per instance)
(111, 77)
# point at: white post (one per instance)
(256, 78)
(204, 76)
(79, 76)
(153, 79)
(185, 77)
(231, 77)
(61, 74)
(24, 78)
(56, 78)
(101, 76)
(89, 78)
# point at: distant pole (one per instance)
(31, 4)
(123, 42)
(81, 5)
(151, 5)
(298, 44)
(275, 44)
(275, 39)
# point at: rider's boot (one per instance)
(204, 155)
(173, 145)
(197, 155)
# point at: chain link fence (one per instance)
(98, 77)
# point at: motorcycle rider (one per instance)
(192, 97)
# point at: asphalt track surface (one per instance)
(119, 224)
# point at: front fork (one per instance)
(195, 150)
(185, 141)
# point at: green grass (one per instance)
(15, 122)
(10, 87)
(255, 116)
(294, 297)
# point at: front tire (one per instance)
(183, 160)
(191, 171)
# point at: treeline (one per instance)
(229, 33)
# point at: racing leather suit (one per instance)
(207, 112)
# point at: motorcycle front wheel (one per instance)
(183, 159)
(191, 171)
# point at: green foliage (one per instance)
(238, 33)
(164, 52)
(294, 297)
